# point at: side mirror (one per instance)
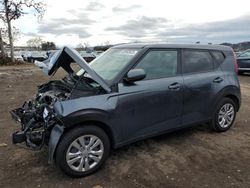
(135, 75)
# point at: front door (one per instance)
(154, 104)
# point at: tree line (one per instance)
(38, 44)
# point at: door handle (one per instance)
(174, 86)
(218, 80)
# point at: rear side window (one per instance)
(218, 56)
(159, 64)
(197, 61)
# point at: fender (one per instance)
(55, 136)
(95, 115)
(86, 115)
(71, 120)
(229, 90)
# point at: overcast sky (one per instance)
(118, 21)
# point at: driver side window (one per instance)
(159, 64)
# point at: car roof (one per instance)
(185, 46)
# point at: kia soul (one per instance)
(129, 93)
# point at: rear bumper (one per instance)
(244, 69)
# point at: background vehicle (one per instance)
(36, 56)
(87, 56)
(129, 93)
(243, 60)
(18, 56)
(32, 56)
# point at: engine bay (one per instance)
(37, 116)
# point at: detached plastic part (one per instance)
(55, 136)
(18, 137)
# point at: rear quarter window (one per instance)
(218, 56)
(195, 61)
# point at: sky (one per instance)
(98, 22)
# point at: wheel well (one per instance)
(101, 125)
(235, 99)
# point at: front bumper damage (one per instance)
(36, 129)
(31, 132)
(18, 136)
(36, 125)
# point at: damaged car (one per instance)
(129, 93)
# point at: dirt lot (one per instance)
(194, 157)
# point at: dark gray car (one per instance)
(243, 60)
(129, 93)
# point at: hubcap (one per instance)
(226, 115)
(84, 153)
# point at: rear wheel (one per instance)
(82, 151)
(224, 115)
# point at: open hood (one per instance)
(63, 58)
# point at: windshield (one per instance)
(109, 64)
(245, 54)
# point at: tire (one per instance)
(240, 72)
(216, 123)
(70, 144)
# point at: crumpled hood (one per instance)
(63, 58)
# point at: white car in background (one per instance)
(18, 56)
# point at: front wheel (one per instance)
(224, 115)
(82, 151)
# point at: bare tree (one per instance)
(15, 34)
(80, 46)
(5, 37)
(35, 43)
(13, 9)
(1, 44)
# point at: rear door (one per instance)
(202, 80)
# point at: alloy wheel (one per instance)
(84, 153)
(226, 115)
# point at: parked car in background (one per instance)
(97, 53)
(87, 56)
(245, 53)
(129, 93)
(17, 55)
(32, 56)
(37, 56)
(238, 53)
(243, 60)
(25, 55)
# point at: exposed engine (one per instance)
(37, 116)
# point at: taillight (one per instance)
(235, 63)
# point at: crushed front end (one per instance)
(36, 118)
